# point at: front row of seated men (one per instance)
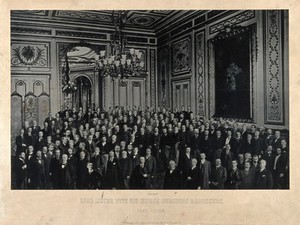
(49, 169)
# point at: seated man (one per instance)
(172, 177)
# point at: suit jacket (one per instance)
(276, 143)
(21, 173)
(104, 148)
(19, 142)
(263, 180)
(54, 170)
(247, 179)
(218, 175)
(135, 160)
(150, 163)
(125, 167)
(280, 165)
(185, 164)
(81, 172)
(269, 160)
(195, 181)
(172, 180)
(113, 174)
(233, 179)
(66, 177)
(99, 164)
(137, 180)
(226, 159)
(39, 144)
(258, 146)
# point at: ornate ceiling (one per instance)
(140, 20)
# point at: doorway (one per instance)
(83, 95)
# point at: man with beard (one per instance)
(263, 178)
(247, 177)
(66, 174)
(54, 169)
(39, 178)
(172, 177)
(21, 171)
(81, 170)
(193, 176)
(93, 178)
(140, 176)
(205, 171)
(218, 176)
(125, 169)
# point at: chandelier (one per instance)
(120, 63)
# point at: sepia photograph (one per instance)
(149, 112)
(149, 99)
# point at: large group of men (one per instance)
(150, 149)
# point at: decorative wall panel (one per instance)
(152, 77)
(123, 96)
(31, 107)
(43, 108)
(20, 87)
(200, 64)
(16, 116)
(38, 88)
(136, 94)
(181, 56)
(274, 85)
(163, 77)
(29, 55)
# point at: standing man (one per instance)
(218, 176)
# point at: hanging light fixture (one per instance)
(120, 64)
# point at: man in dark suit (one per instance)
(20, 142)
(54, 169)
(279, 169)
(98, 161)
(81, 170)
(233, 177)
(93, 178)
(21, 171)
(151, 166)
(227, 157)
(193, 176)
(263, 178)
(185, 163)
(135, 157)
(39, 179)
(125, 169)
(196, 144)
(172, 177)
(205, 171)
(247, 177)
(269, 157)
(269, 138)
(142, 141)
(140, 176)
(47, 159)
(66, 174)
(35, 129)
(277, 140)
(217, 145)
(218, 176)
(30, 167)
(39, 142)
